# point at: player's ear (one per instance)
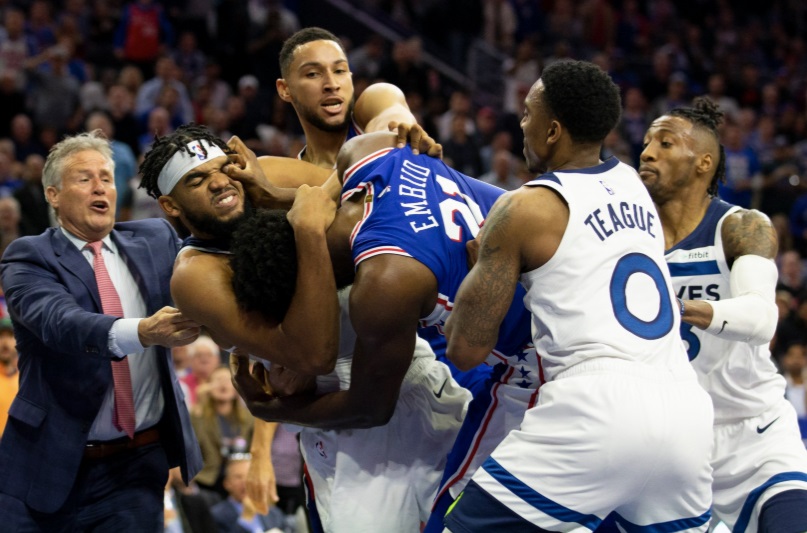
(283, 90)
(705, 164)
(554, 131)
(169, 206)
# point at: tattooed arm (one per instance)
(522, 232)
(750, 314)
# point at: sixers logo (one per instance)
(198, 150)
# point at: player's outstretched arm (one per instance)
(487, 291)
(306, 340)
(261, 484)
(271, 182)
(386, 301)
(750, 315)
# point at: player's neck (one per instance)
(681, 215)
(322, 146)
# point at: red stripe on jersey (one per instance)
(380, 250)
(499, 355)
(356, 166)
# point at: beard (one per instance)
(218, 229)
(309, 114)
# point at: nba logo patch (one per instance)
(199, 151)
(321, 449)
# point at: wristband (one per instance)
(681, 304)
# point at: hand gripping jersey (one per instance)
(741, 379)
(621, 304)
(416, 206)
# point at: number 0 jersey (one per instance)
(606, 292)
(741, 379)
(416, 206)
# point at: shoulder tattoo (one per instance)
(749, 232)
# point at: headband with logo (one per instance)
(182, 162)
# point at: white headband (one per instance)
(182, 162)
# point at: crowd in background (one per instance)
(139, 69)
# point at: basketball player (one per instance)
(721, 261)
(400, 237)
(621, 419)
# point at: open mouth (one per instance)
(100, 206)
(226, 200)
(333, 106)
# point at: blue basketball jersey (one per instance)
(416, 206)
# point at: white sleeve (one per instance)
(750, 315)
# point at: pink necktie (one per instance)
(124, 417)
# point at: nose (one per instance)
(219, 180)
(648, 154)
(331, 81)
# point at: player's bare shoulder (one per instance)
(196, 273)
(748, 231)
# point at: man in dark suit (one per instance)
(99, 417)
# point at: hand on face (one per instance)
(245, 168)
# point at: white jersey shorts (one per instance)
(385, 478)
(755, 459)
(606, 435)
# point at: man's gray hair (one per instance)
(93, 140)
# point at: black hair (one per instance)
(306, 35)
(164, 149)
(264, 263)
(583, 98)
(707, 116)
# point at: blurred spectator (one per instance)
(9, 181)
(31, 196)
(792, 329)
(219, 90)
(54, 89)
(520, 72)
(236, 514)
(563, 24)
(188, 58)
(502, 174)
(742, 169)
(9, 376)
(271, 23)
(121, 105)
(13, 100)
(792, 274)
(459, 105)
(460, 149)
(186, 511)
(131, 77)
(40, 27)
(404, 69)
(716, 91)
(798, 224)
(781, 181)
(159, 124)
(9, 221)
(288, 465)
(205, 357)
(675, 96)
(124, 159)
(634, 123)
(781, 224)
(143, 34)
(223, 426)
(599, 23)
(529, 19)
(485, 131)
(166, 73)
(794, 367)
(15, 46)
(499, 25)
(616, 146)
(366, 60)
(22, 134)
(100, 45)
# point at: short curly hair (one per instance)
(707, 116)
(306, 35)
(164, 149)
(583, 98)
(264, 263)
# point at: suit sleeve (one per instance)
(39, 300)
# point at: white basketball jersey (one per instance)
(606, 292)
(741, 379)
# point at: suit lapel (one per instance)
(75, 264)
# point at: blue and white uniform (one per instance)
(758, 449)
(416, 206)
(621, 425)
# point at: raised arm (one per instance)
(307, 338)
(383, 107)
(386, 336)
(750, 315)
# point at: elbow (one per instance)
(316, 361)
(464, 359)
(766, 328)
